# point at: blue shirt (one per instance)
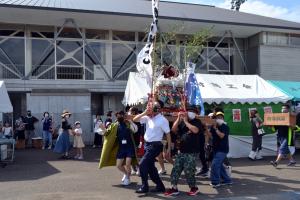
(124, 134)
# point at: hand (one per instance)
(168, 154)
(185, 117)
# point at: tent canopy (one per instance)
(288, 87)
(215, 89)
(5, 104)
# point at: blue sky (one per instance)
(282, 9)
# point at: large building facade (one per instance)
(75, 55)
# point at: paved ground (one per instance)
(39, 175)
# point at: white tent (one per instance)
(215, 89)
(5, 104)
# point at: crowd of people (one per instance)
(180, 142)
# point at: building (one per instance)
(75, 55)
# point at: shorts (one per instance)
(125, 153)
(283, 149)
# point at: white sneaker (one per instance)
(133, 172)
(124, 177)
(80, 158)
(252, 155)
(49, 147)
(162, 172)
(258, 156)
(137, 172)
(126, 182)
(43, 148)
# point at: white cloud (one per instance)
(260, 8)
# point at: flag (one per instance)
(144, 60)
(192, 90)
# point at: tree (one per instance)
(236, 4)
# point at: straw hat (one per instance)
(66, 112)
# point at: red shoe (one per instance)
(171, 192)
(193, 192)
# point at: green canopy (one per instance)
(289, 87)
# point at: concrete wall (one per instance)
(279, 63)
(78, 104)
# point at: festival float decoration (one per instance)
(174, 88)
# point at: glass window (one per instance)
(277, 38)
(124, 35)
(69, 60)
(219, 60)
(69, 33)
(14, 33)
(99, 49)
(123, 59)
(97, 34)
(142, 37)
(295, 40)
(43, 59)
(13, 56)
(42, 34)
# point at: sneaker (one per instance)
(80, 158)
(291, 163)
(274, 163)
(94, 146)
(76, 157)
(49, 147)
(43, 148)
(133, 172)
(162, 172)
(126, 182)
(124, 177)
(203, 173)
(215, 185)
(193, 192)
(138, 172)
(171, 192)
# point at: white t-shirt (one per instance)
(155, 127)
(78, 131)
(97, 128)
(7, 131)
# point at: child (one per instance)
(78, 143)
(7, 130)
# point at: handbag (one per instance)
(261, 131)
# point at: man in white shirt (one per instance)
(156, 126)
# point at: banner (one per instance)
(144, 60)
(192, 90)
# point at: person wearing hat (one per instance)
(62, 144)
(78, 142)
(219, 133)
(190, 131)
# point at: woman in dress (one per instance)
(63, 141)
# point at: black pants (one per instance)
(147, 165)
(202, 156)
(98, 139)
(257, 142)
